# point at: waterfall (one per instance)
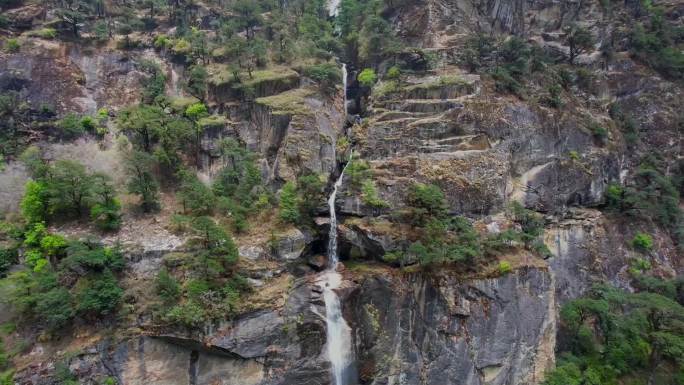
(339, 342)
(175, 82)
(338, 332)
(344, 86)
(333, 7)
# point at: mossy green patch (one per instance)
(221, 75)
(213, 121)
(440, 82)
(179, 104)
(289, 102)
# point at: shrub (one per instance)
(327, 74)
(167, 287)
(142, 181)
(196, 111)
(34, 204)
(162, 41)
(106, 215)
(505, 82)
(554, 96)
(393, 73)
(12, 45)
(197, 198)
(189, 314)
(53, 244)
(598, 131)
(425, 201)
(54, 308)
(370, 197)
(8, 257)
(70, 126)
(288, 208)
(367, 77)
(642, 242)
(310, 189)
(504, 267)
(99, 295)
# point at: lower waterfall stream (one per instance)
(338, 332)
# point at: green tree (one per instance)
(34, 204)
(195, 195)
(105, 211)
(141, 179)
(579, 39)
(248, 15)
(69, 188)
(143, 123)
(98, 295)
(74, 13)
(197, 82)
(288, 208)
(367, 77)
(167, 287)
(54, 308)
(426, 201)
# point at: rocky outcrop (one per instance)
(67, 78)
(590, 248)
(439, 330)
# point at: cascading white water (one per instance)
(344, 85)
(338, 332)
(175, 82)
(333, 7)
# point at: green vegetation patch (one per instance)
(289, 102)
(224, 76)
(183, 102)
(213, 121)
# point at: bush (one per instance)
(598, 131)
(12, 45)
(328, 75)
(367, 78)
(505, 82)
(610, 336)
(425, 201)
(288, 208)
(34, 204)
(370, 197)
(189, 314)
(45, 33)
(642, 242)
(393, 73)
(504, 267)
(70, 126)
(8, 257)
(54, 308)
(197, 198)
(167, 287)
(98, 295)
(106, 215)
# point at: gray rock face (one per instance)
(430, 330)
(292, 244)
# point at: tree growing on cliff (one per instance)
(141, 179)
(69, 187)
(105, 211)
(197, 82)
(288, 210)
(579, 40)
